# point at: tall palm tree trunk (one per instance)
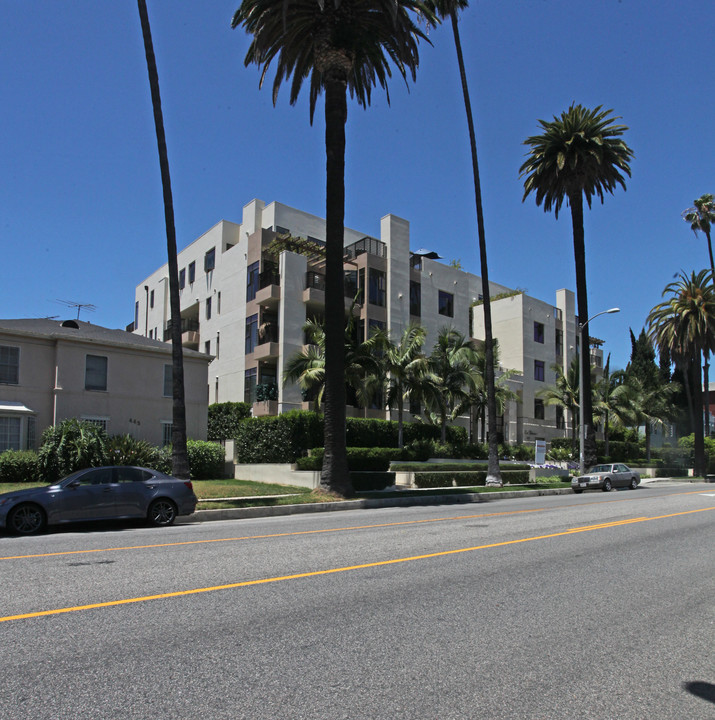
(700, 468)
(334, 476)
(579, 251)
(179, 457)
(493, 472)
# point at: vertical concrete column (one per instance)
(395, 233)
(291, 317)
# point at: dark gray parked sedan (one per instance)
(605, 477)
(101, 493)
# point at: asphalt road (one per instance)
(563, 607)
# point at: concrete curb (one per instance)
(279, 510)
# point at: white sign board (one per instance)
(540, 452)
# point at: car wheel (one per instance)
(162, 512)
(578, 491)
(607, 485)
(26, 519)
(634, 484)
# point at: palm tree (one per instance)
(701, 216)
(564, 394)
(609, 391)
(684, 324)
(179, 456)
(580, 153)
(402, 369)
(452, 376)
(307, 366)
(444, 9)
(341, 46)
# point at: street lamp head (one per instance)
(613, 310)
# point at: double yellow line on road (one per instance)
(316, 573)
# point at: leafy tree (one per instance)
(402, 368)
(444, 9)
(180, 459)
(608, 398)
(578, 154)
(684, 323)
(564, 394)
(341, 47)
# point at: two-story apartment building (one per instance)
(51, 371)
(245, 303)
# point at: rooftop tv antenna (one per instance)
(80, 306)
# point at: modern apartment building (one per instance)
(51, 371)
(245, 305)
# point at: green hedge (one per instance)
(451, 467)
(278, 439)
(18, 466)
(472, 478)
(206, 459)
(359, 459)
(224, 419)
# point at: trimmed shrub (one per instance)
(467, 478)
(359, 459)
(278, 439)
(69, 446)
(224, 419)
(206, 459)
(18, 466)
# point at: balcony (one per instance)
(189, 333)
(269, 288)
(368, 245)
(314, 293)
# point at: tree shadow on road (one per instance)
(703, 690)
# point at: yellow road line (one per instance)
(328, 530)
(316, 573)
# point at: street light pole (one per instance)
(582, 427)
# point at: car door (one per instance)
(89, 496)
(133, 491)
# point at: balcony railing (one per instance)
(314, 280)
(268, 277)
(187, 325)
(369, 245)
(267, 332)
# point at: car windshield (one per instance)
(600, 468)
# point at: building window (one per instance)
(559, 344)
(182, 278)
(9, 365)
(218, 305)
(252, 281)
(192, 273)
(539, 370)
(136, 314)
(560, 424)
(251, 333)
(538, 332)
(208, 308)
(210, 260)
(9, 433)
(377, 290)
(446, 304)
(249, 385)
(100, 422)
(151, 299)
(95, 375)
(373, 325)
(415, 299)
(597, 361)
(218, 338)
(168, 381)
(167, 430)
(31, 432)
(207, 347)
(538, 409)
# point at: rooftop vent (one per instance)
(70, 324)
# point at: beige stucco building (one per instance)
(51, 370)
(246, 308)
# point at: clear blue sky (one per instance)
(81, 214)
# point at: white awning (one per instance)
(8, 406)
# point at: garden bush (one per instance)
(206, 459)
(69, 446)
(367, 481)
(359, 459)
(126, 450)
(18, 466)
(473, 478)
(224, 419)
(278, 439)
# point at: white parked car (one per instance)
(606, 477)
